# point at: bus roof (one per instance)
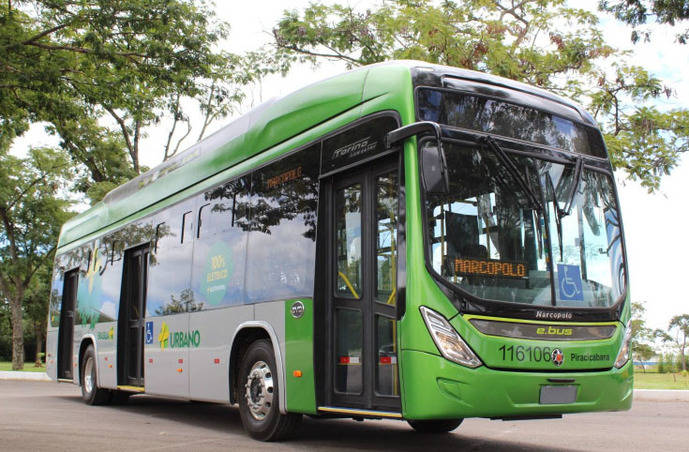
(265, 126)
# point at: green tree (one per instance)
(678, 335)
(102, 72)
(32, 210)
(541, 42)
(35, 307)
(640, 12)
(642, 336)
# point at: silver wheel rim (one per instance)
(259, 390)
(88, 375)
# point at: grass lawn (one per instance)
(660, 381)
(28, 367)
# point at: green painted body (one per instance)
(438, 388)
(431, 386)
(301, 391)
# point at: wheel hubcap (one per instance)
(259, 390)
(88, 375)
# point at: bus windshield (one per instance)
(488, 239)
(500, 118)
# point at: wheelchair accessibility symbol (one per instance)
(569, 282)
(149, 332)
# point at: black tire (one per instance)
(262, 418)
(435, 425)
(90, 392)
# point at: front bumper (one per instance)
(437, 388)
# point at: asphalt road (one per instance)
(51, 416)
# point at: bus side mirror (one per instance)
(434, 167)
(433, 164)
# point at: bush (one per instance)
(667, 364)
(5, 348)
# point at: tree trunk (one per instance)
(39, 346)
(17, 333)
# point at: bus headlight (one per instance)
(624, 354)
(448, 341)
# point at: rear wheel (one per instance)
(435, 425)
(90, 392)
(258, 395)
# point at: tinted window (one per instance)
(489, 239)
(283, 228)
(509, 120)
(98, 292)
(169, 267)
(56, 289)
(386, 238)
(220, 249)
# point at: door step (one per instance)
(358, 412)
(130, 388)
(65, 380)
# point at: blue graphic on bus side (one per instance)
(569, 282)
(149, 332)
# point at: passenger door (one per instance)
(361, 295)
(130, 349)
(66, 332)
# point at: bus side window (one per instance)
(282, 247)
(220, 251)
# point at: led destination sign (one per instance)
(489, 267)
(285, 177)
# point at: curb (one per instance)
(19, 375)
(662, 395)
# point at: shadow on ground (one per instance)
(315, 433)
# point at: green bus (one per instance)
(404, 240)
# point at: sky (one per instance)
(656, 245)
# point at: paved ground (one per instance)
(51, 416)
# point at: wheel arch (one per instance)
(243, 336)
(86, 340)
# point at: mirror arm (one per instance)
(410, 130)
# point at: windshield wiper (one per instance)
(578, 171)
(560, 213)
(511, 167)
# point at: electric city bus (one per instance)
(404, 240)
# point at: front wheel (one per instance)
(90, 392)
(258, 395)
(435, 425)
